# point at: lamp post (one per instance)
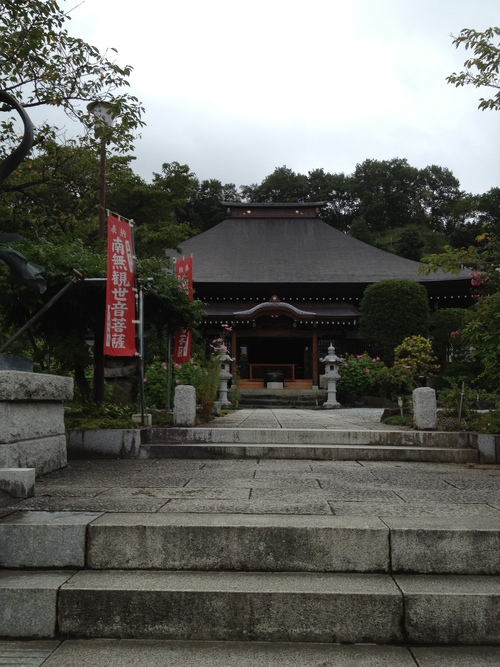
(104, 113)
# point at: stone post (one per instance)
(184, 405)
(424, 409)
(331, 376)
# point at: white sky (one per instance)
(236, 89)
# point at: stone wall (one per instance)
(32, 433)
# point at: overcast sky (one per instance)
(235, 89)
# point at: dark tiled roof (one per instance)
(307, 250)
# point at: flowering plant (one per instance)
(203, 373)
(360, 375)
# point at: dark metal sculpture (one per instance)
(25, 271)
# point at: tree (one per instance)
(392, 310)
(52, 197)
(42, 64)
(483, 68)
(388, 192)
(283, 185)
(481, 329)
(336, 191)
(410, 244)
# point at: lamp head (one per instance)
(103, 111)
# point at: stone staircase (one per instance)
(318, 444)
(281, 398)
(293, 590)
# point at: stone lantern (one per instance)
(331, 362)
(225, 376)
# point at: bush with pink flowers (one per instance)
(360, 375)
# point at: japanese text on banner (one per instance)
(183, 338)
(119, 328)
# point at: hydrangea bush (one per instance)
(360, 375)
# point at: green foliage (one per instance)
(42, 64)
(392, 310)
(480, 332)
(204, 376)
(397, 380)
(446, 325)
(360, 375)
(155, 384)
(458, 399)
(95, 417)
(485, 423)
(482, 69)
(415, 353)
(410, 245)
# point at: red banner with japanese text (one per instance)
(119, 326)
(184, 274)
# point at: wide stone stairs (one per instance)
(317, 444)
(217, 590)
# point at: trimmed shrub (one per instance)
(392, 310)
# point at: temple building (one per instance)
(288, 285)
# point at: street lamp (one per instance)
(104, 113)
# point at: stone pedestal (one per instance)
(32, 433)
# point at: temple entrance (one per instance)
(289, 359)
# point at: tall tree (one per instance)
(388, 191)
(335, 190)
(283, 185)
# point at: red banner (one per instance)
(119, 327)
(184, 274)
(182, 346)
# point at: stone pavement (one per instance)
(343, 419)
(272, 486)
(439, 494)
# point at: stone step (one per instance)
(163, 653)
(391, 452)
(28, 602)
(312, 607)
(234, 606)
(246, 542)
(268, 437)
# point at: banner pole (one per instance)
(142, 398)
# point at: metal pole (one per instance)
(142, 398)
(169, 372)
(102, 189)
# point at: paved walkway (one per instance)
(343, 419)
(435, 492)
(273, 486)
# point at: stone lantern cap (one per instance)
(331, 357)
